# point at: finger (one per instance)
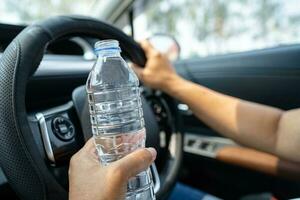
(88, 148)
(148, 48)
(89, 145)
(91, 154)
(136, 162)
(138, 70)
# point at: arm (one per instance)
(258, 126)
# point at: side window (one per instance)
(210, 27)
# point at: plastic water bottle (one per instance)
(116, 114)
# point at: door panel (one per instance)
(266, 76)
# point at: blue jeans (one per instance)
(184, 192)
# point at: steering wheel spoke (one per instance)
(60, 133)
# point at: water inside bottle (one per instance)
(114, 147)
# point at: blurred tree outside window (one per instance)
(211, 27)
(28, 11)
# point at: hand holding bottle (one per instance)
(89, 180)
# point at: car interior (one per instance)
(46, 59)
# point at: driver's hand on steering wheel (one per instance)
(89, 180)
(158, 71)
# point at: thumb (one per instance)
(136, 162)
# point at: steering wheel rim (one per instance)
(23, 165)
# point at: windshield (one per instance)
(28, 11)
(205, 27)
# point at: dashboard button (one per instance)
(63, 128)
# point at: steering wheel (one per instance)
(24, 151)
